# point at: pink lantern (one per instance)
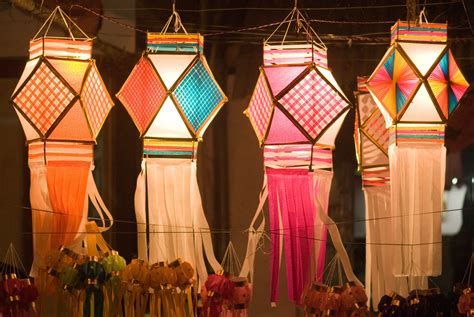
(296, 111)
(62, 103)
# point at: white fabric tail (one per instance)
(140, 213)
(322, 186)
(254, 235)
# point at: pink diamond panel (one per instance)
(313, 103)
(96, 100)
(260, 107)
(43, 98)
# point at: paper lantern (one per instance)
(172, 97)
(416, 86)
(296, 111)
(62, 104)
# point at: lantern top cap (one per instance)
(172, 42)
(419, 31)
(301, 24)
(61, 17)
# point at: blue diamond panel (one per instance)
(198, 95)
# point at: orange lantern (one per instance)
(62, 103)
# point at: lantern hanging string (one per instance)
(345, 222)
(422, 17)
(67, 24)
(177, 21)
(296, 16)
(264, 26)
(373, 7)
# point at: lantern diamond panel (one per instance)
(313, 103)
(142, 94)
(260, 108)
(198, 95)
(43, 98)
(374, 127)
(394, 82)
(96, 100)
(447, 83)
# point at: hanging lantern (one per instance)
(62, 104)
(172, 97)
(417, 86)
(296, 111)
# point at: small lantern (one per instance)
(172, 96)
(417, 86)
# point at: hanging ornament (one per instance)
(296, 111)
(135, 279)
(172, 97)
(17, 293)
(416, 87)
(62, 104)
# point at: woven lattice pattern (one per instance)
(43, 98)
(96, 100)
(198, 95)
(313, 103)
(260, 107)
(375, 128)
(142, 94)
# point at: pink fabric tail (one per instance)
(290, 198)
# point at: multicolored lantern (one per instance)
(296, 111)
(62, 104)
(172, 97)
(416, 86)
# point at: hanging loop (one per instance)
(177, 25)
(422, 17)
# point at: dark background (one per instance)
(229, 160)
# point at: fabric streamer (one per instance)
(61, 103)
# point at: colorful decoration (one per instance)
(172, 97)
(62, 104)
(17, 293)
(80, 281)
(296, 111)
(416, 86)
